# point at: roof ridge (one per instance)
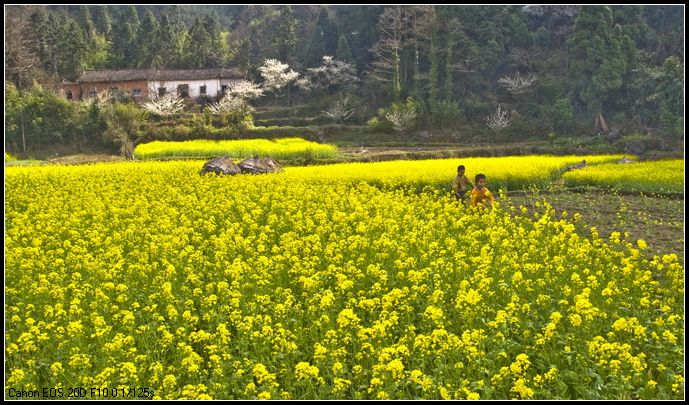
(129, 74)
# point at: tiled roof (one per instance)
(118, 75)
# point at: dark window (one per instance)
(93, 94)
(136, 92)
(114, 90)
(161, 91)
(68, 95)
(183, 90)
(202, 90)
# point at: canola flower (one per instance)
(329, 282)
(509, 173)
(665, 176)
(281, 148)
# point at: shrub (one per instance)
(445, 114)
(498, 120)
(340, 110)
(181, 132)
(39, 116)
(562, 115)
(639, 144)
(400, 116)
(382, 125)
(476, 109)
(126, 125)
(233, 111)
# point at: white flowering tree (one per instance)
(340, 111)
(331, 73)
(518, 84)
(499, 120)
(305, 84)
(402, 116)
(245, 90)
(276, 76)
(234, 110)
(165, 106)
(230, 103)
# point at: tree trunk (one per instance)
(604, 125)
(417, 74)
(23, 137)
(600, 123)
(289, 86)
(128, 150)
(396, 85)
(449, 79)
(433, 70)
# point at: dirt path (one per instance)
(658, 221)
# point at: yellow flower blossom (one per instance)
(327, 277)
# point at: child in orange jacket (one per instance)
(480, 194)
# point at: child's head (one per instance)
(480, 180)
(460, 170)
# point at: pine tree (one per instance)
(87, 24)
(286, 39)
(198, 51)
(434, 56)
(453, 33)
(103, 21)
(359, 24)
(596, 61)
(53, 34)
(74, 50)
(420, 26)
(125, 39)
(148, 41)
(38, 42)
(329, 32)
(97, 45)
(166, 55)
(316, 48)
(631, 20)
(343, 52)
(216, 58)
(181, 37)
(670, 96)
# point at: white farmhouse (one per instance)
(145, 84)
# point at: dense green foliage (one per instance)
(623, 63)
(41, 117)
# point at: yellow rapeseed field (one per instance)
(656, 176)
(283, 148)
(327, 282)
(509, 173)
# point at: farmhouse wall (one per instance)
(213, 86)
(144, 84)
(84, 90)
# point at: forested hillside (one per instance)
(527, 70)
